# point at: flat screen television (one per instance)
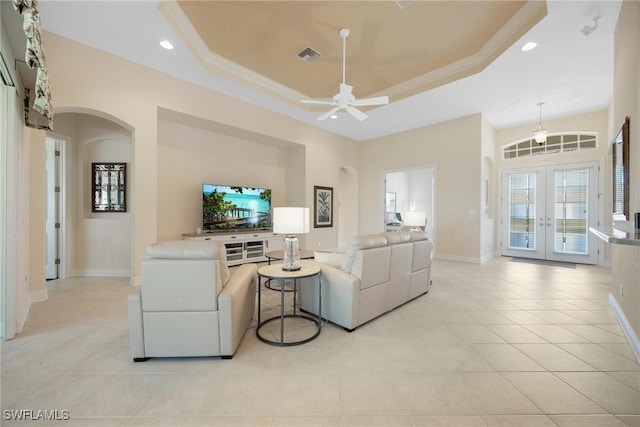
(227, 208)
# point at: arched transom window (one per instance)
(556, 143)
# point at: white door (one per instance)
(547, 212)
(53, 208)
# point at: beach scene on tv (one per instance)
(227, 208)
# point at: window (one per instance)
(556, 143)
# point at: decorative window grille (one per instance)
(556, 143)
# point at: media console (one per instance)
(243, 246)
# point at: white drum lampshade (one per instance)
(415, 219)
(291, 221)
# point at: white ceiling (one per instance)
(569, 72)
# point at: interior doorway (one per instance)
(409, 200)
(547, 212)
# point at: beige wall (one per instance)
(453, 149)
(626, 102)
(89, 81)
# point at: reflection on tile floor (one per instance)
(497, 344)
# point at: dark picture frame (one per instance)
(109, 187)
(322, 207)
(620, 156)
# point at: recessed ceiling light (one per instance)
(334, 116)
(166, 44)
(529, 46)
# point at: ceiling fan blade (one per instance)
(317, 102)
(379, 100)
(328, 114)
(356, 113)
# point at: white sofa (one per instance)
(378, 273)
(189, 304)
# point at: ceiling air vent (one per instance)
(308, 55)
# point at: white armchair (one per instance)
(189, 304)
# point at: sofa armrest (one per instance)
(236, 306)
(340, 296)
(136, 331)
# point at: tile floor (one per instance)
(498, 344)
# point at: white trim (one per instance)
(634, 342)
(38, 296)
(103, 272)
(449, 257)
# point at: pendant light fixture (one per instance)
(540, 134)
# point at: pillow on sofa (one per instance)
(334, 259)
(361, 242)
(192, 249)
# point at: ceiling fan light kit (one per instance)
(344, 99)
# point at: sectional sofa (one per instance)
(378, 273)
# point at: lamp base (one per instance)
(291, 261)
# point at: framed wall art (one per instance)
(108, 187)
(322, 207)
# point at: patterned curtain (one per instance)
(34, 58)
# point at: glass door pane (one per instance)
(571, 230)
(522, 211)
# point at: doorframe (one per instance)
(600, 258)
(65, 208)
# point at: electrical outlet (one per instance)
(621, 290)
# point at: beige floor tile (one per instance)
(431, 394)
(440, 360)
(515, 334)
(600, 357)
(448, 421)
(308, 394)
(518, 420)
(366, 393)
(551, 394)
(587, 421)
(614, 396)
(632, 379)
(522, 317)
(595, 334)
(377, 421)
(505, 357)
(123, 395)
(491, 394)
(322, 421)
(553, 358)
(555, 334)
(195, 421)
(474, 334)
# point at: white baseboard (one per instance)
(98, 272)
(448, 257)
(42, 295)
(626, 326)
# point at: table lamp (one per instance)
(291, 221)
(415, 220)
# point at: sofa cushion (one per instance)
(334, 259)
(396, 237)
(418, 235)
(192, 249)
(358, 243)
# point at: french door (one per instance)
(547, 212)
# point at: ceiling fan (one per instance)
(344, 100)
